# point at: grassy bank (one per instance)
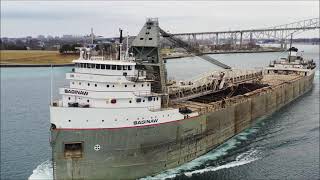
(34, 57)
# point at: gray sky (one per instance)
(22, 18)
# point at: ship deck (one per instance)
(219, 100)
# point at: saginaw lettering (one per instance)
(145, 121)
(76, 92)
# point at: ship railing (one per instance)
(144, 93)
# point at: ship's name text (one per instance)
(76, 92)
(145, 121)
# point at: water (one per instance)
(284, 145)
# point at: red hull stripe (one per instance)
(75, 129)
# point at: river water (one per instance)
(284, 145)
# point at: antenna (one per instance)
(290, 46)
(91, 35)
(127, 50)
(51, 82)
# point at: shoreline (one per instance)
(165, 58)
(35, 65)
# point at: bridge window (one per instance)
(138, 100)
(86, 65)
(124, 67)
(149, 27)
(150, 38)
(97, 66)
(141, 38)
(107, 66)
(119, 67)
(113, 67)
(129, 68)
(103, 66)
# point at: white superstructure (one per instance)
(108, 94)
(293, 64)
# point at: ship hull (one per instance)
(130, 153)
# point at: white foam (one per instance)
(43, 171)
(242, 159)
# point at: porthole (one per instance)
(88, 100)
(69, 120)
(157, 98)
(143, 100)
(88, 84)
(87, 120)
(69, 98)
(102, 120)
(147, 84)
(125, 85)
(107, 85)
(141, 85)
(112, 85)
(130, 101)
(97, 147)
(134, 85)
(79, 83)
(95, 85)
(72, 82)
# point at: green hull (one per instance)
(130, 153)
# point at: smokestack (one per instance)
(120, 45)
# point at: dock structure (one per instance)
(210, 83)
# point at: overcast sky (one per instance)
(22, 18)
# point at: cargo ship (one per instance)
(122, 118)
